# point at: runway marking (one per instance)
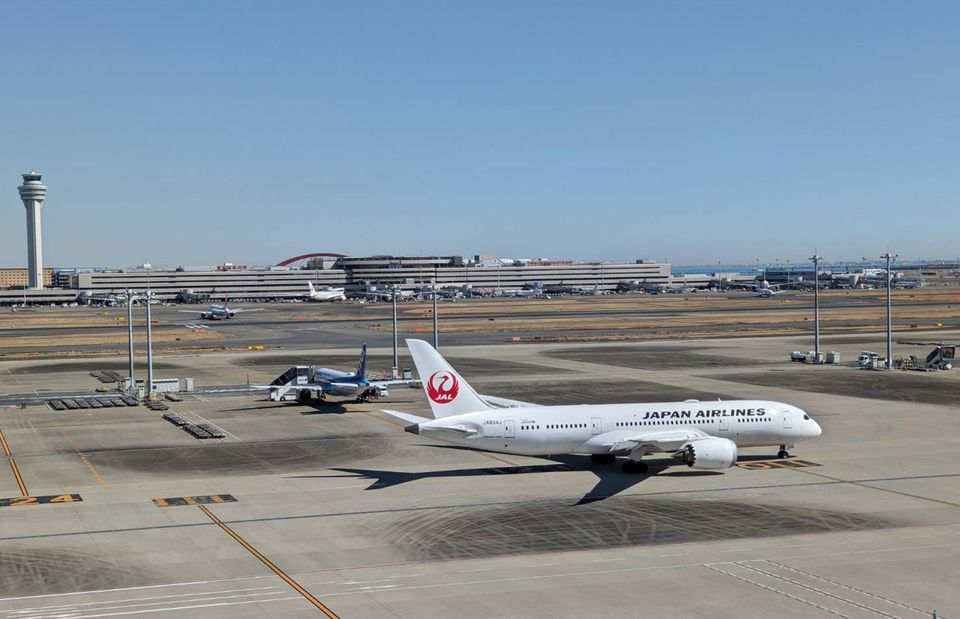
(3, 441)
(13, 465)
(189, 583)
(76, 605)
(100, 480)
(817, 591)
(205, 499)
(862, 484)
(766, 465)
(777, 591)
(276, 570)
(843, 586)
(142, 611)
(21, 501)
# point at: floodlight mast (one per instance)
(888, 257)
(816, 304)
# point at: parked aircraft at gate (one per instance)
(702, 435)
(303, 383)
(325, 294)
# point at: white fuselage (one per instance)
(590, 429)
(328, 294)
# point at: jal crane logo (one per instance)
(443, 387)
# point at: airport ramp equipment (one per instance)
(176, 419)
(296, 375)
(212, 430)
(942, 357)
(197, 431)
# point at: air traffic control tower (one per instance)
(33, 192)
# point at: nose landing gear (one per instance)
(783, 454)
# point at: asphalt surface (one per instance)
(336, 505)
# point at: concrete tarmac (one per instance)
(333, 510)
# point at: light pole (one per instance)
(396, 361)
(436, 327)
(149, 385)
(888, 257)
(133, 382)
(816, 304)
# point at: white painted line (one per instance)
(157, 597)
(377, 587)
(608, 560)
(140, 588)
(178, 608)
(46, 612)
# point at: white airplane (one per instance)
(702, 435)
(326, 294)
(216, 311)
(529, 291)
(767, 291)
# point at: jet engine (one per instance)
(709, 453)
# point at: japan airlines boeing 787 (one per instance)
(702, 435)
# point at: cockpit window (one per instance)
(807, 417)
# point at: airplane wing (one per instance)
(395, 381)
(624, 443)
(192, 311)
(241, 309)
(496, 402)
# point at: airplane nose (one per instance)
(811, 428)
(817, 430)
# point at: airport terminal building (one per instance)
(368, 273)
(356, 274)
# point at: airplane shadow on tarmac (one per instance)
(315, 408)
(610, 479)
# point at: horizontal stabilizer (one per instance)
(405, 416)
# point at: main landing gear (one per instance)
(633, 466)
(783, 454)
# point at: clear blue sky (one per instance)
(200, 132)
